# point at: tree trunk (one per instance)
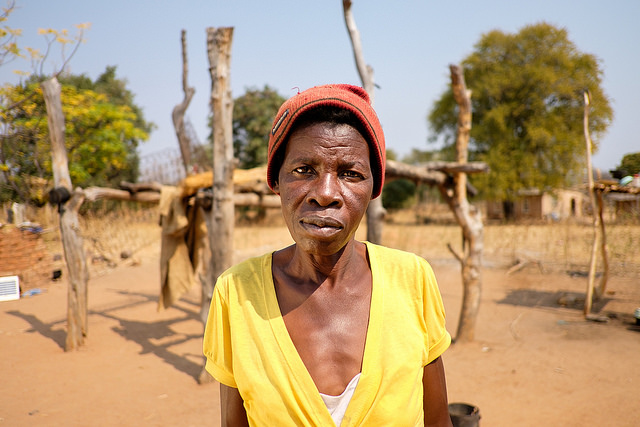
(375, 211)
(467, 216)
(222, 210)
(178, 111)
(77, 326)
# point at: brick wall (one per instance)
(24, 254)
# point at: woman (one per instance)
(329, 330)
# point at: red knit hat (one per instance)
(352, 98)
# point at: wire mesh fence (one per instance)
(166, 166)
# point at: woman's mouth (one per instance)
(321, 222)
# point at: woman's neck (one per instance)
(314, 270)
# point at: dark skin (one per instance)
(323, 281)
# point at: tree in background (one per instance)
(253, 115)
(398, 194)
(630, 163)
(103, 128)
(527, 99)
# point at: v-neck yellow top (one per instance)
(248, 347)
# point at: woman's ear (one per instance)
(276, 187)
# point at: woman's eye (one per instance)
(351, 174)
(302, 169)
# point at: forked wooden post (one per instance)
(177, 115)
(467, 216)
(77, 324)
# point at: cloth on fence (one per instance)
(184, 247)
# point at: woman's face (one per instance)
(325, 184)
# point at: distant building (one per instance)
(627, 205)
(534, 204)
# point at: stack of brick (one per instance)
(24, 254)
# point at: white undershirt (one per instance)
(337, 405)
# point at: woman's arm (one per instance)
(436, 406)
(232, 411)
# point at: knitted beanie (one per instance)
(352, 98)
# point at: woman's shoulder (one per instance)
(247, 269)
(386, 253)
(397, 262)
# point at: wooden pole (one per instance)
(219, 47)
(599, 291)
(414, 173)
(239, 199)
(77, 326)
(594, 248)
(221, 219)
(375, 210)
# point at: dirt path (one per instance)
(534, 362)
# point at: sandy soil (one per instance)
(534, 362)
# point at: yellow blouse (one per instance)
(248, 347)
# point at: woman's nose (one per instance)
(325, 191)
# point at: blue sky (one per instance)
(299, 44)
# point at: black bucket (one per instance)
(464, 415)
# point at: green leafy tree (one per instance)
(630, 163)
(527, 99)
(391, 154)
(101, 136)
(253, 115)
(398, 194)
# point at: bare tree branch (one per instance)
(179, 110)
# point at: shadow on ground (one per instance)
(568, 300)
(47, 330)
(557, 299)
(158, 337)
(155, 337)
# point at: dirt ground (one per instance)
(535, 361)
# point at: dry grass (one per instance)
(556, 247)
